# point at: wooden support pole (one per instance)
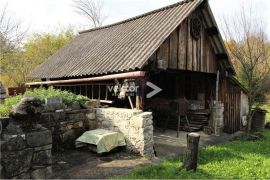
(130, 102)
(191, 157)
(137, 102)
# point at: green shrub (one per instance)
(68, 97)
(42, 94)
(7, 106)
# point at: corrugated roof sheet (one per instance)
(119, 47)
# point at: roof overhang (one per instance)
(217, 40)
(129, 75)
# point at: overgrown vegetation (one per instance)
(42, 94)
(232, 160)
(18, 62)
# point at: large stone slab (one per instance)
(39, 138)
(13, 142)
(17, 162)
(42, 148)
(42, 158)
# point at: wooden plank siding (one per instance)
(183, 52)
(230, 95)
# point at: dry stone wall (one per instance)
(136, 126)
(67, 126)
(26, 155)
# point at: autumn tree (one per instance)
(11, 37)
(249, 48)
(92, 10)
(17, 64)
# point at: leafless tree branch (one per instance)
(250, 48)
(92, 10)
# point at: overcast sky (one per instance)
(47, 15)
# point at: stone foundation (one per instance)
(136, 126)
(67, 126)
(26, 155)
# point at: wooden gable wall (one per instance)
(182, 51)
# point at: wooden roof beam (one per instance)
(211, 31)
(222, 56)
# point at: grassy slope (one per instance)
(237, 159)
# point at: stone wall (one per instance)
(67, 126)
(26, 155)
(136, 126)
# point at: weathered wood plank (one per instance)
(173, 50)
(182, 46)
(189, 47)
(163, 52)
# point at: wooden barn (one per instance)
(177, 48)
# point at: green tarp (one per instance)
(104, 140)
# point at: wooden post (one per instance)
(137, 102)
(191, 157)
(217, 84)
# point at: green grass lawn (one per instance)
(267, 108)
(236, 159)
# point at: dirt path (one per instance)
(83, 164)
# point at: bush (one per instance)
(68, 97)
(7, 106)
(42, 94)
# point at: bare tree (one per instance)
(11, 37)
(92, 10)
(10, 30)
(249, 47)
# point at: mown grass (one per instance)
(267, 108)
(232, 160)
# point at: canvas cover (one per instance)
(104, 140)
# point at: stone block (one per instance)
(76, 116)
(92, 124)
(146, 115)
(42, 158)
(63, 128)
(14, 142)
(22, 176)
(17, 162)
(70, 134)
(78, 124)
(46, 117)
(91, 116)
(59, 116)
(75, 106)
(42, 148)
(39, 138)
(43, 173)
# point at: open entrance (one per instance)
(186, 96)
